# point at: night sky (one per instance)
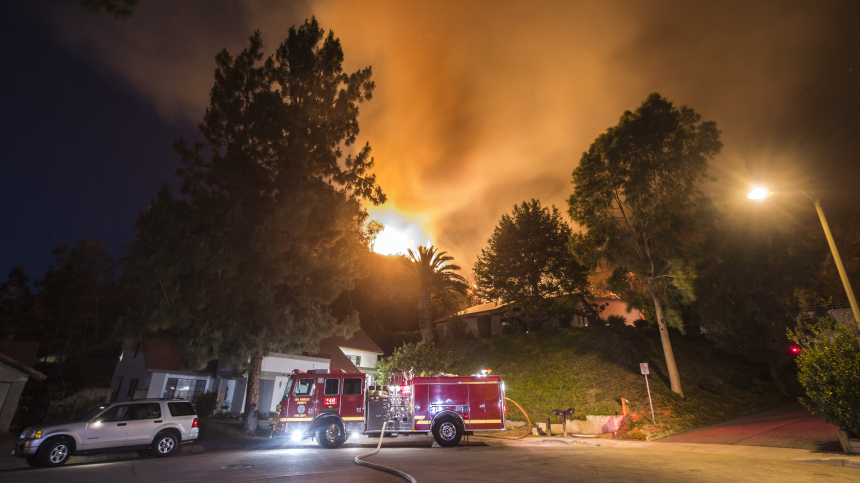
(479, 105)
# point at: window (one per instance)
(145, 411)
(304, 387)
(181, 409)
(355, 360)
(351, 386)
(332, 386)
(190, 389)
(289, 386)
(116, 413)
(132, 387)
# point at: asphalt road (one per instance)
(789, 426)
(481, 460)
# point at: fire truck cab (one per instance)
(331, 405)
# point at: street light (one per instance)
(759, 193)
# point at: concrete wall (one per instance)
(264, 405)
(593, 425)
(156, 385)
(11, 385)
(496, 324)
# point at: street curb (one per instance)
(853, 464)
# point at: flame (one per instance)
(402, 231)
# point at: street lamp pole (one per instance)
(761, 193)
(838, 260)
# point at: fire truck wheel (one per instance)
(448, 431)
(331, 435)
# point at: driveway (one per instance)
(789, 426)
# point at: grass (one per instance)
(591, 369)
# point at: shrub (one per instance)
(743, 381)
(713, 385)
(422, 358)
(206, 403)
(640, 323)
(829, 370)
(616, 321)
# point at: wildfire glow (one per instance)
(400, 233)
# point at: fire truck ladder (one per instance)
(395, 472)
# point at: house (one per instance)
(16, 367)
(485, 320)
(152, 368)
(490, 315)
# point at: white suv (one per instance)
(148, 426)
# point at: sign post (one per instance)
(645, 371)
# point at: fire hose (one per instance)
(524, 414)
(386, 469)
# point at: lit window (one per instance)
(355, 360)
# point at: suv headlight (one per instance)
(31, 434)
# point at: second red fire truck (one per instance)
(332, 405)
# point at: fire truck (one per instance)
(331, 405)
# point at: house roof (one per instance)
(488, 308)
(359, 341)
(20, 350)
(162, 355)
(337, 359)
(4, 359)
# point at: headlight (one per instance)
(31, 434)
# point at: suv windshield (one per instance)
(92, 412)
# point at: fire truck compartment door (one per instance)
(449, 395)
(484, 409)
(352, 400)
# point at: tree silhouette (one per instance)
(433, 275)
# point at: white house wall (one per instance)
(283, 364)
(368, 359)
(12, 382)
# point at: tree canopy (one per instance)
(526, 263)
(751, 269)
(635, 190)
(270, 227)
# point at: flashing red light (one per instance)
(795, 350)
(194, 423)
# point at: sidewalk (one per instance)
(763, 452)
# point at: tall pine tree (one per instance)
(270, 228)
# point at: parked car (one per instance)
(148, 426)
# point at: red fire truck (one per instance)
(332, 405)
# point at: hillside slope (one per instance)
(591, 368)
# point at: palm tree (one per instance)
(431, 272)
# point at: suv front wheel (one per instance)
(54, 453)
(165, 444)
